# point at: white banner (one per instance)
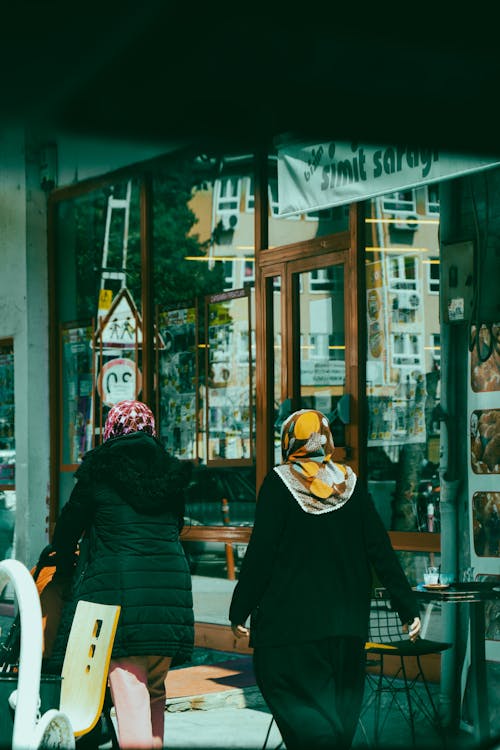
(314, 177)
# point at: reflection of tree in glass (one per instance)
(177, 279)
(86, 218)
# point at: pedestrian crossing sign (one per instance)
(121, 328)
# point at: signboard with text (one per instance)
(322, 175)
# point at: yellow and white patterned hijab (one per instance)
(317, 483)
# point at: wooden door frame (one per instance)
(342, 247)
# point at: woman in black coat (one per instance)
(128, 504)
(306, 582)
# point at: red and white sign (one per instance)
(119, 380)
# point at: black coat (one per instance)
(129, 504)
(306, 577)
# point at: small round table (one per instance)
(474, 594)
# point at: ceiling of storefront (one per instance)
(158, 69)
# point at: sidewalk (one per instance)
(217, 705)
(225, 682)
(213, 706)
(214, 703)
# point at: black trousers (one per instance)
(314, 690)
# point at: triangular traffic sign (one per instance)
(122, 326)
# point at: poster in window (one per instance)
(177, 374)
(485, 358)
(485, 441)
(76, 392)
(229, 376)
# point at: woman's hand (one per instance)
(240, 631)
(413, 628)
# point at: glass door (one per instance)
(321, 339)
(314, 331)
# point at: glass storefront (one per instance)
(158, 273)
(203, 286)
(98, 257)
(300, 227)
(403, 360)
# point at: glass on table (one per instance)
(431, 575)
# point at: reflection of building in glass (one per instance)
(225, 208)
(230, 393)
(403, 359)
(402, 273)
(177, 374)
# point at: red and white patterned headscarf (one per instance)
(129, 416)
(317, 483)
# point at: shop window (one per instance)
(300, 227)
(7, 450)
(98, 301)
(198, 255)
(229, 392)
(322, 351)
(77, 392)
(402, 375)
(203, 279)
(177, 372)
(201, 244)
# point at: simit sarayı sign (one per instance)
(314, 177)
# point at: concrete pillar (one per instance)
(24, 317)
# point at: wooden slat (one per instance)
(402, 541)
(219, 638)
(227, 534)
(415, 541)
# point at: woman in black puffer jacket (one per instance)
(128, 503)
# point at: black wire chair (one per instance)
(403, 687)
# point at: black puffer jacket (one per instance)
(129, 504)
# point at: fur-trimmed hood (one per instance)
(139, 468)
